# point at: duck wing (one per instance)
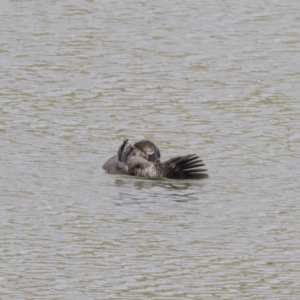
(182, 167)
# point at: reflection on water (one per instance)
(153, 189)
(142, 183)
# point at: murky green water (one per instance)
(217, 78)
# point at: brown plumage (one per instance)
(143, 160)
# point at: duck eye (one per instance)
(153, 158)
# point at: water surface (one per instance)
(217, 78)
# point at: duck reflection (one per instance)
(156, 189)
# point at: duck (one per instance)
(144, 149)
(143, 159)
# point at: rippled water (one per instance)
(217, 78)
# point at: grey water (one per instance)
(216, 78)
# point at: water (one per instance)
(220, 79)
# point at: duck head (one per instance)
(147, 150)
(144, 149)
